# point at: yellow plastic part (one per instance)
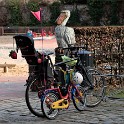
(77, 101)
(60, 104)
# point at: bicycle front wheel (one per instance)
(78, 98)
(95, 96)
(46, 102)
(32, 99)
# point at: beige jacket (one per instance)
(64, 35)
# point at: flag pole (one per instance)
(41, 22)
(41, 19)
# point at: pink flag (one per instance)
(37, 14)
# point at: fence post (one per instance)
(1, 30)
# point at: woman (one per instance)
(65, 35)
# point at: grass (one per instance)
(119, 95)
(115, 93)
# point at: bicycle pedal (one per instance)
(105, 98)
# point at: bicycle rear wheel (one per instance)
(32, 96)
(46, 102)
(79, 100)
(95, 96)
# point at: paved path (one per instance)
(13, 110)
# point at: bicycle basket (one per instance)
(69, 61)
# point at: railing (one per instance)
(23, 30)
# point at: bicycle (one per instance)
(92, 88)
(36, 84)
(55, 99)
(38, 79)
(93, 83)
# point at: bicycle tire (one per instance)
(46, 101)
(78, 102)
(95, 96)
(33, 101)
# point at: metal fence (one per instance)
(23, 30)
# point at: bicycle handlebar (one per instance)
(60, 63)
(73, 48)
(46, 54)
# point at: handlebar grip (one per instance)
(60, 63)
(47, 54)
(50, 53)
(73, 48)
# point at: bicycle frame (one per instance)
(64, 101)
